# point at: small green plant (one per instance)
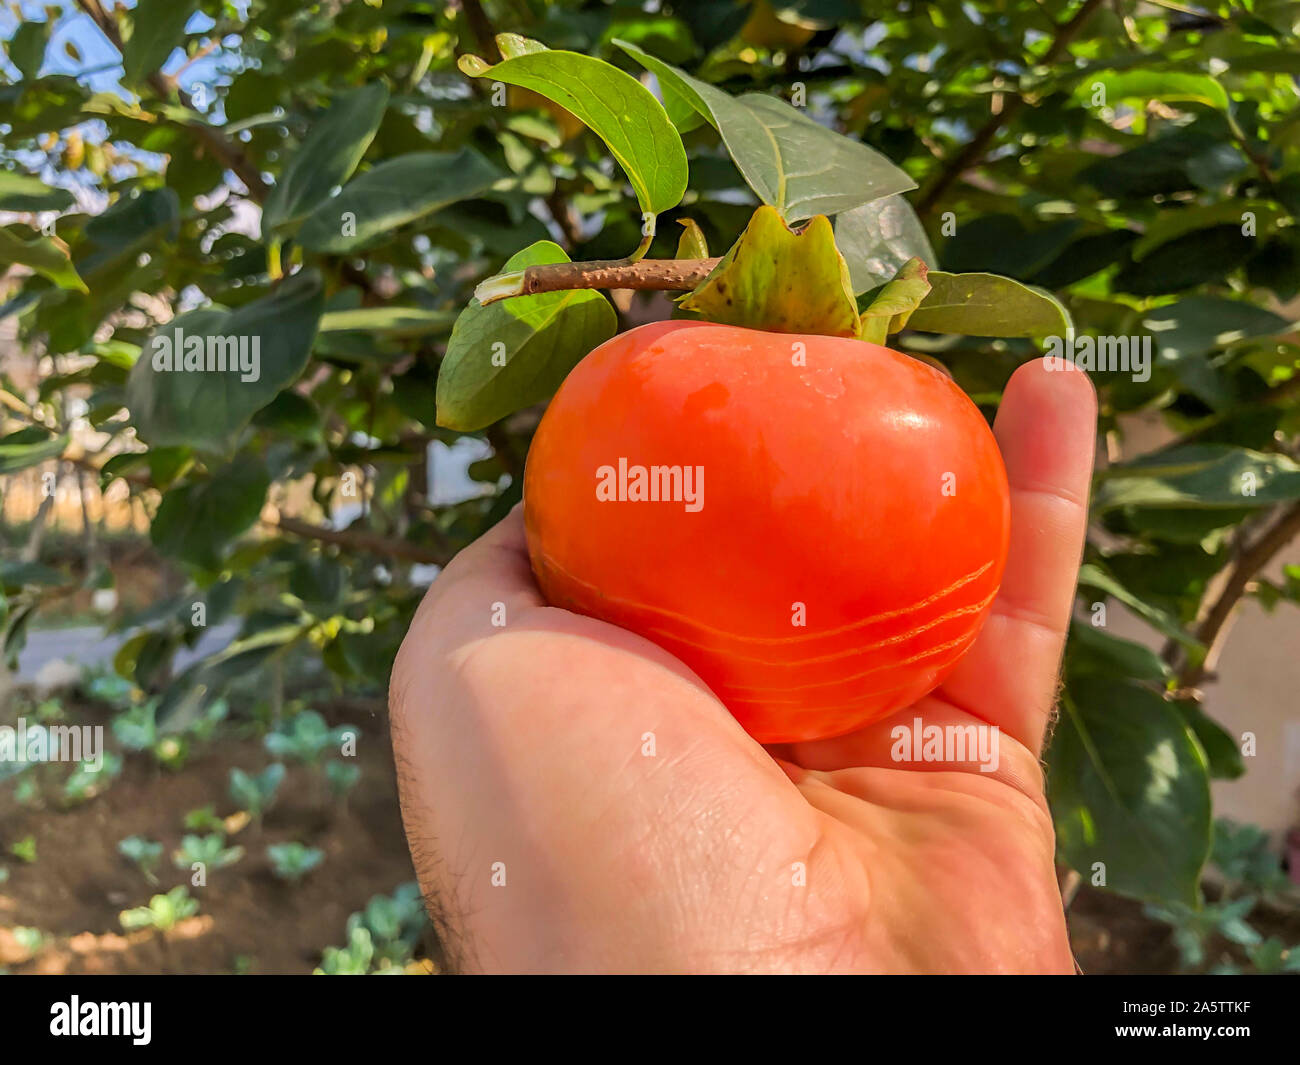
(204, 819)
(352, 960)
(50, 710)
(1245, 857)
(163, 913)
(210, 851)
(135, 727)
(145, 853)
(109, 688)
(380, 938)
(85, 782)
(204, 727)
(342, 777)
(306, 738)
(24, 849)
(27, 791)
(256, 793)
(293, 861)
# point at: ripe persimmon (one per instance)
(815, 525)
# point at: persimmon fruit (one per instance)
(815, 525)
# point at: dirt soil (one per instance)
(249, 920)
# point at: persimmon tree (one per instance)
(426, 214)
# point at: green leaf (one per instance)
(327, 157)
(22, 192)
(200, 521)
(1092, 575)
(1173, 223)
(1092, 650)
(894, 304)
(692, 244)
(877, 238)
(781, 280)
(393, 194)
(988, 306)
(1198, 325)
(1146, 85)
(388, 321)
(794, 164)
(1200, 475)
(29, 447)
(515, 352)
(615, 106)
(1129, 788)
(1221, 751)
(205, 408)
(157, 28)
(27, 48)
(48, 256)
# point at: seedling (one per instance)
(145, 853)
(256, 793)
(163, 913)
(24, 849)
(305, 738)
(204, 819)
(293, 861)
(210, 851)
(342, 777)
(85, 782)
(382, 937)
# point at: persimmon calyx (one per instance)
(780, 280)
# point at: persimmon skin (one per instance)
(852, 533)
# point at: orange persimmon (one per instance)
(816, 526)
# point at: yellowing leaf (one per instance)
(781, 280)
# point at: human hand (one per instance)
(546, 839)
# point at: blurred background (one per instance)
(223, 595)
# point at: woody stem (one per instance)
(667, 275)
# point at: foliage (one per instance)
(305, 738)
(163, 913)
(1251, 871)
(255, 792)
(381, 938)
(210, 851)
(1132, 166)
(292, 861)
(144, 853)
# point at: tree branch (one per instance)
(977, 147)
(361, 540)
(665, 275)
(222, 148)
(1224, 594)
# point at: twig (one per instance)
(360, 540)
(1227, 590)
(978, 146)
(222, 148)
(665, 275)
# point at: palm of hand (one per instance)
(575, 799)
